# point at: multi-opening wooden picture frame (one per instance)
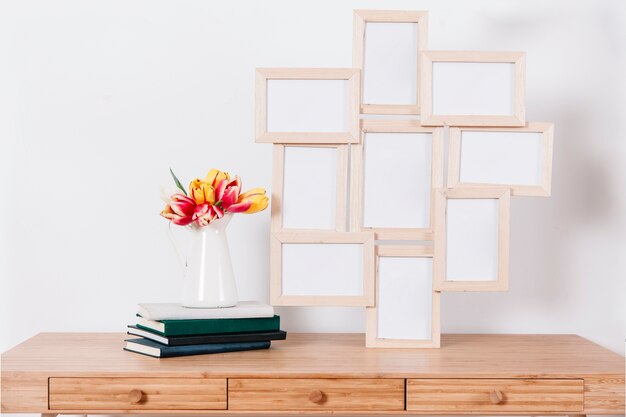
(516, 158)
(322, 269)
(307, 105)
(407, 309)
(394, 172)
(309, 187)
(472, 239)
(387, 46)
(468, 88)
(355, 201)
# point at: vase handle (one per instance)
(179, 254)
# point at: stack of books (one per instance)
(168, 329)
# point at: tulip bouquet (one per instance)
(210, 199)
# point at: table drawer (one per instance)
(137, 394)
(316, 394)
(494, 395)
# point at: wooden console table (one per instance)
(89, 373)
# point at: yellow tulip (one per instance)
(251, 201)
(259, 203)
(250, 193)
(201, 192)
(214, 177)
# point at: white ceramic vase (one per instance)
(208, 280)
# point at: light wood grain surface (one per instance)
(316, 394)
(138, 393)
(27, 367)
(325, 356)
(495, 395)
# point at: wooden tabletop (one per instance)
(325, 356)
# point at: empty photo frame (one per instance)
(515, 158)
(322, 269)
(473, 88)
(387, 46)
(407, 308)
(472, 239)
(307, 105)
(394, 171)
(309, 187)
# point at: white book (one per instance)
(174, 311)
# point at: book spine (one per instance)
(195, 327)
(206, 349)
(223, 338)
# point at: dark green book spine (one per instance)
(212, 326)
(172, 351)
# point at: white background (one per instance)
(307, 105)
(318, 269)
(400, 197)
(472, 239)
(310, 174)
(405, 288)
(473, 88)
(99, 98)
(501, 157)
(390, 75)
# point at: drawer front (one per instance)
(495, 395)
(316, 394)
(137, 394)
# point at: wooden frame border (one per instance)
(369, 269)
(352, 75)
(439, 262)
(543, 190)
(519, 113)
(361, 17)
(278, 180)
(357, 177)
(371, 332)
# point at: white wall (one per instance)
(98, 99)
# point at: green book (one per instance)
(209, 326)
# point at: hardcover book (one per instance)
(209, 326)
(157, 350)
(173, 311)
(207, 339)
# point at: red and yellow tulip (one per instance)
(211, 198)
(180, 210)
(215, 176)
(206, 213)
(251, 201)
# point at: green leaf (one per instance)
(177, 182)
